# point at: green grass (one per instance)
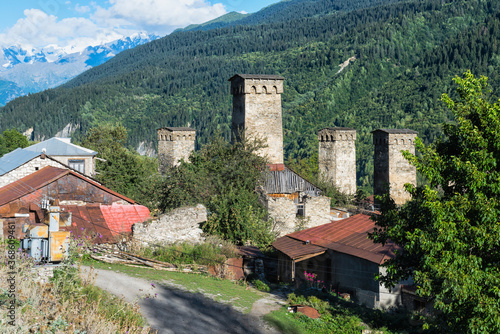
(220, 290)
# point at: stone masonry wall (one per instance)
(181, 224)
(283, 211)
(337, 158)
(390, 167)
(257, 112)
(28, 168)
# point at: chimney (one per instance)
(337, 158)
(174, 144)
(391, 170)
(257, 111)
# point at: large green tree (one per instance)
(449, 231)
(224, 177)
(12, 139)
(121, 169)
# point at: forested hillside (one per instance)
(405, 55)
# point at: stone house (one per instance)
(20, 163)
(61, 149)
(342, 256)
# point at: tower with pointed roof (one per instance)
(391, 170)
(257, 111)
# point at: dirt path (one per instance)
(171, 310)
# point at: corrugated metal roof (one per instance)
(258, 76)
(103, 223)
(120, 218)
(286, 181)
(347, 236)
(58, 146)
(16, 158)
(296, 248)
(39, 179)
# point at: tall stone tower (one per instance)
(337, 157)
(391, 169)
(257, 111)
(174, 144)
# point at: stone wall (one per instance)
(283, 211)
(89, 162)
(182, 224)
(257, 112)
(27, 169)
(337, 158)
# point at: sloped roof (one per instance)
(103, 223)
(120, 218)
(41, 178)
(348, 236)
(16, 158)
(57, 146)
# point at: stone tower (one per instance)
(174, 144)
(391, 169)
(257, 111)
(337, 157)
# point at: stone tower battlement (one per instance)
(337, 157)
(174, 144)
(257, 111)
(391, 169)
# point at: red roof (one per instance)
(41, 178)
(348, 236)
(120, 218)
(102, 223)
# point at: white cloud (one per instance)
(121, 18)
(82, 9)
(162, 16)
(38, 29)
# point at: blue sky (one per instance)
(75, 23)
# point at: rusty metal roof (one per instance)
(348, 236)
(103, 223)
(296, 249)
(41, 178)
(120, 218)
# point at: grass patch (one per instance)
(211, 252)
(238, 295)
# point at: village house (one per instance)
(24, 161)
(61, 149)
(340, 252)
(342, 256)
(87, 206)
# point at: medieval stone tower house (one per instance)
(391, 169)
(174, 144)
(337, 158)
(257, 114)
(257, 111)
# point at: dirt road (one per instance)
(171, 310)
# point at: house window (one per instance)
(78, 165)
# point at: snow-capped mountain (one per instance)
(26, 70)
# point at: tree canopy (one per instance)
(120, 169)
(449, 231)
(12, 139)
(224, 178)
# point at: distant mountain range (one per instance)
(26, 70)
